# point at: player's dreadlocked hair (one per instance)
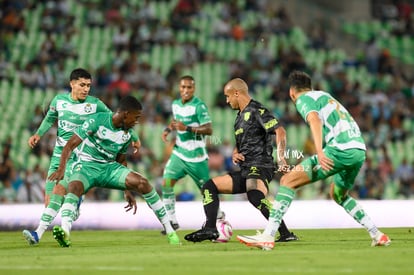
(300, 80)
(129, 103)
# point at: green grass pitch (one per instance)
(330, 251)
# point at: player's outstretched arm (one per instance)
(47, 123)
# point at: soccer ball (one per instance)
(225, 231)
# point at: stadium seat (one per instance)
(94, 46)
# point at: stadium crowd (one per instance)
(383, 107)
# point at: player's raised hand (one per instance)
(132, 203)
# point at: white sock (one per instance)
(44, 223)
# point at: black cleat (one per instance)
(175, 226)
(203, 234)
(287, 238)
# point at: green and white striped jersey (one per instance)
(188, 146)
(69, 114)
(102, 142)
(339, 129)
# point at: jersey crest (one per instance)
(88, 108)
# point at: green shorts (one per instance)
(176, 169)
(54, 165)
(347, 164)
(94, 174)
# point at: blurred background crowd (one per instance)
(142, 47)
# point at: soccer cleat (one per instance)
(173, 238)
(175, 226)
(203, 234)
(61, 236)
(381, 240)
(260, 240)
(31, 237)
(287, 238)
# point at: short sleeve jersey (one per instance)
(70, 114)
(339, 128)
(190, 147)
(253, 129)
(102, 142)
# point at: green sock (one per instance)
(49, 214)
(154, 201)
(168, 197)
(354, 209)
(282, 202)
(68, 209)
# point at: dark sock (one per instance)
(211, 203)
(257, 198)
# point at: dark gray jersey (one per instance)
(254, 130)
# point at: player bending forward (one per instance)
(102, 142)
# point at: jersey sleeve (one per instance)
(101, 107)
(305, 105)
(203, 114)
(134, 136)
(268, 121)
(88, 128)
(49, 119)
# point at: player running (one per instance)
(192, 123)
(341, 156)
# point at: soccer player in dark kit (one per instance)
(254, 129)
